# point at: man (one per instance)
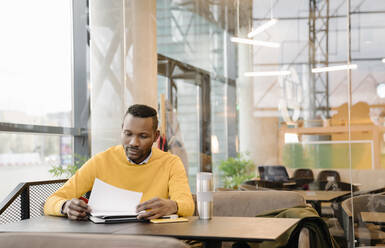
(134, 165)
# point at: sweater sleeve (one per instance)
(75, 187)
(179, 190)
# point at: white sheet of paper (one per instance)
(108, 200)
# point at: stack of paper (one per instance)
(110, 204)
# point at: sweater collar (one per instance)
(143, 162)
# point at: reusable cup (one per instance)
(205, 195)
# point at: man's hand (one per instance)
(76, 209)
(156, 207)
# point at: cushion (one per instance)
(251, 203)
(65, 240)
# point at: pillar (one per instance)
(123, 64)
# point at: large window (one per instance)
(29, 157)
(36, 62)
(43, 89)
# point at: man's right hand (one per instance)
(76, 209)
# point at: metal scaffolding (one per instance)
(319, 57)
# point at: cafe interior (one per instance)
(283, 102)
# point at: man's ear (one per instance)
(157, 134)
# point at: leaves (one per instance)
(236, 171)
(68, 170)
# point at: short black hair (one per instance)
(143, 111)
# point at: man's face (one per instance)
(138, 136)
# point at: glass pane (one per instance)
(36, 62)
(219, 139)
(197, 34)
(223, 126)
(188, 116)
(186, 35)
(367, 122)
(29, 157)
(329, 155)
(300, 116)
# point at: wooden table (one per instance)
(212, 232)
(373, 217)
(317, 196)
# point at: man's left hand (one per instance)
(156, 207)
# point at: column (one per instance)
(123, 64)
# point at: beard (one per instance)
(132, 152)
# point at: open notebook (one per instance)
(110, 204)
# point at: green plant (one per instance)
(236, 171)
(69, 169)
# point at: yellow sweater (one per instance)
(163, 176)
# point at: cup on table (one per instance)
(205, 195)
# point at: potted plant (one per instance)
(236, 170)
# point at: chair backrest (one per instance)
(274, 173)
(303, 177)
(251, 203)
(363, 203)
(323, 175)
(65, 240)
(303, 173)
(27, 200)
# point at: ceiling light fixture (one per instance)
(266, 73)
(334, 68)
(383, 60)
(262, 28)
(255, 42)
